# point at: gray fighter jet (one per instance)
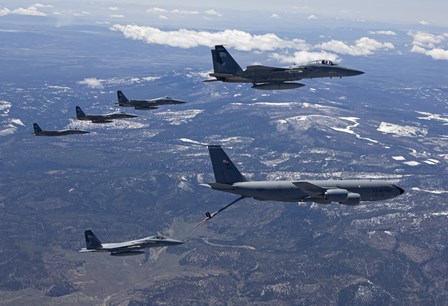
(106, 118)
(145, 104)
(127, 248)
(348, 192)
(39, 132)
(226, 69)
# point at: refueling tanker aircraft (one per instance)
(127, 248)
(103, 118)
(226, 69)
(349, 192)
(145, 104)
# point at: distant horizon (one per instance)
(193, 13)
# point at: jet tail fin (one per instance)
(223, 62)
(37, 128)
(224, 169)
(79, 112)
(122, 98)
(92, 242)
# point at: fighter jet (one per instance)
(145, 104)
(349, 192)
(127, 248)
(106, 118)
(226, 69)
(39, 132)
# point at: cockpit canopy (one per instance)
(325, 62)
(159, 237)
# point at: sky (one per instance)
(256, 25)
(431, 12)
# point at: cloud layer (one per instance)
(363, 46)
(244, 41)
(184, 38)
(433, 45)
(32, 10)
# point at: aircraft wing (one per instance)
(128, 245)
(103, 120)
(145, 107)
(84, 250)
(261, 68)
(311, 189)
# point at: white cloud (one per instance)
(245, 41)
(389, 33)
(184, 12)
(433, 45)
(116, 16)
(91, 83)
(438, 54)
(212, 13)
(32, 10)
(184, 38)
(99, 83)
(312, 17)
(113, 8)
(163, 17)
(300, 57)
(275, 16)
(43, 5)
(423, 22)
(362, 46)
(82, 13)
(158, 10)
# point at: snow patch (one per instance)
(430, 191)
(179, 117)
(412, 163)
(349, 128)
(114, 125)
(401, 130)
(17, 122)
(186, 140)
(430, 116)
(431, 161)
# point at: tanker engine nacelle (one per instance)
(342, 196)
(336, 195)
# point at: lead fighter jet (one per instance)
(145, 104)
(127, 248)
(349, 192)
(105, 118)
(226, 69)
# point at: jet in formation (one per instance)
(126, 248)
(349, 192)
(145, 104)
(39, 132)
(226, 69)
(106, 118)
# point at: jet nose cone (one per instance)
(400, 190)
(175, 242)
(354, 72)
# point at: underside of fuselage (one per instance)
(287, 191)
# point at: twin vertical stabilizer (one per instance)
(223, 62)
